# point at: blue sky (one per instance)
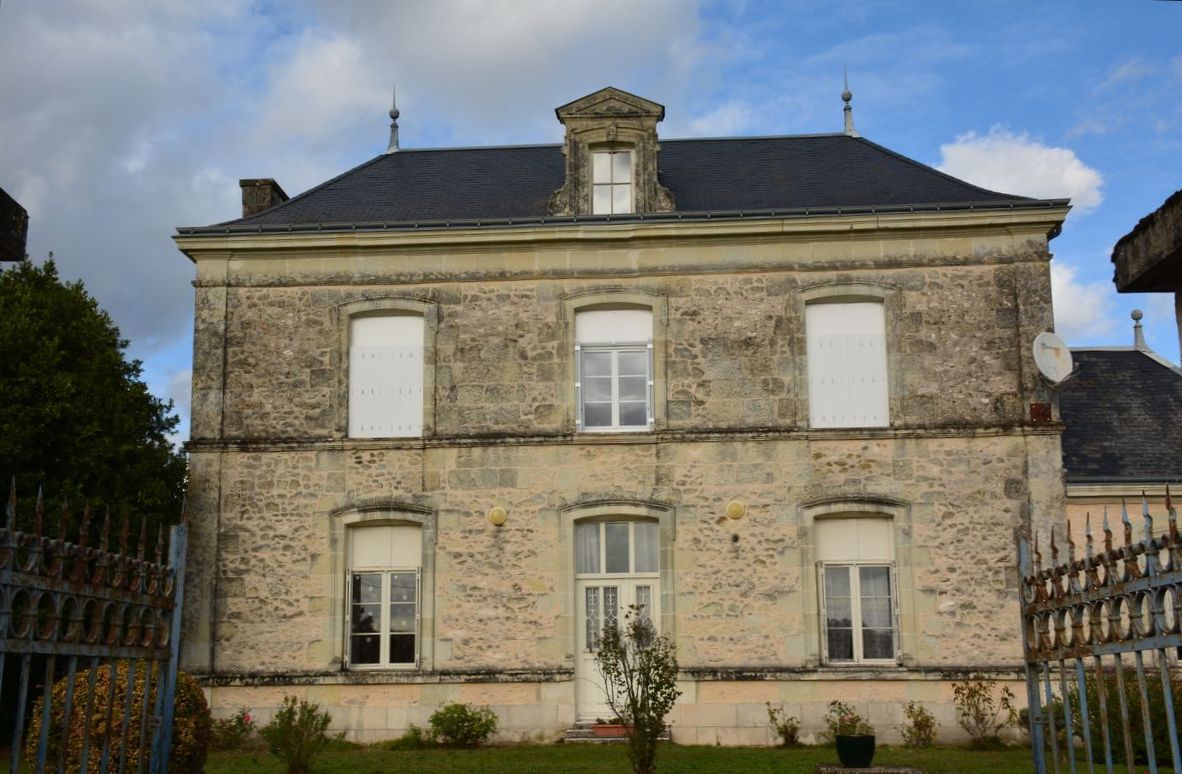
(123, 119)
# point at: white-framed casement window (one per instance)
(614, 369)
(611, 182)
(386, 376)
(847, 364)
(857, 585)
(383, 592)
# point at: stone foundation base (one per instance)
(709, 712)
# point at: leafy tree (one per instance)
(75, 416)
(639, 670)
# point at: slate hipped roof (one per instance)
(726, 177)
(1122, 413)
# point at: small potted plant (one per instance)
(852, 735)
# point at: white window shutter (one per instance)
(824, 613)
(847, 365)
(386, 377)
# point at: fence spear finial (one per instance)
(1070, 544)
(1054, 549)
(124, 534)
(139, 552)
(10, 511)
(61, 521)
(1172, 515)
(1107, 532)
(1037, 554)
(1124, 518)
(105, 535)
(84, 530)
(1088, 547)
(159, 543)
(1146, 515)
(38, 513)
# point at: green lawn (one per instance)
(592, 759)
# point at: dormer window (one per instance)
(611, 157)
(611, 187)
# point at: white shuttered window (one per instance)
(614, 369)
(386, 376)
(847, 365)
(856, 578)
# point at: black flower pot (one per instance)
(855, 752)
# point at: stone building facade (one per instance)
(602, 407)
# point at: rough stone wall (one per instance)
(271, 468)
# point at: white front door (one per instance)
(616, 567)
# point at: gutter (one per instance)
(644, 217)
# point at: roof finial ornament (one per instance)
(846, 96)
(393, 146)
(1138, 334)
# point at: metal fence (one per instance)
(110, 621)
(1101, 635)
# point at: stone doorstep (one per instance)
(837, 768)
(581, 733)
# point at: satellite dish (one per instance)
(1052, 357)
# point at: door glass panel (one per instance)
(611, 607)
(616, 546)
(591, 624)
(646, 546)
(586, 548)
(402, 618)
(875, 582)
(602, 201)
(644, 601)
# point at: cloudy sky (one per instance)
(123, 119)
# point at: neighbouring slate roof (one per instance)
(729, 175)
(1122, 413)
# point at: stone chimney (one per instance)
(260, 194)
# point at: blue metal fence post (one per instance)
(177, 549)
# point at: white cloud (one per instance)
(1084, 311)
(1131, 70)
(729, 118)
(1016, 163)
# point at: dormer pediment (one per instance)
(611, 156)
(611, 102)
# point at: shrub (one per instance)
(415, 738)
(843, 720)
(785, 725)
(234, 732)
(1157, 714)
(639, 670)
(982, 712)
(190, 727)
(920, 730)
(297, 733)
(463, 725)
